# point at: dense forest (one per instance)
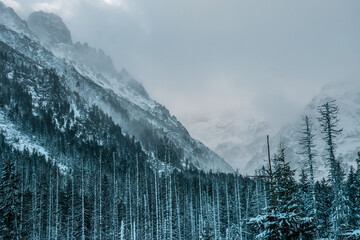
(95, 182)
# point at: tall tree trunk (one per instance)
(50, 205)
(115, 216)
(157, 207)
(72, 231)
(82, 202)
(100, 199)
(178, 212)
(34, 205)
(95, 217)
(57, 205)
(227, 203)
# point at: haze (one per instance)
(223, 68)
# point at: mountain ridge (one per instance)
(116, 95)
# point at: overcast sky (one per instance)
(206, 59)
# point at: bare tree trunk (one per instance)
(115, 211)
(130, 209)
(50, 206)
(213, 209)
(227, 203)
(311, 170)
(218, 209)
(192, 220)
(238, 200)
(39, 217)
(178, 213)
(22, 201)
(95, 218)
(34, 204)
(137, 195)
(100, 199)
(157, 207)
(57, 205)
(72, 207)
(82, 202)
(200, 206)
(122, 230)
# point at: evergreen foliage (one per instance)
(9, 201)
(95, 182)
(283, 218)
(329, 122)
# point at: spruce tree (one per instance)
(351, 192)
(357, 192)
(307, 144)
(324, 202)
(329, 123)
(353, 196)
(282, 219)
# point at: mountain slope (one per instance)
(117, 94)
(347, 96)
(9, 18)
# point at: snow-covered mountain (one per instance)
(233, 136)
(90, 75)
(9, 18)
(347, 96)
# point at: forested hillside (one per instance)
(72, 174)
(85, 153)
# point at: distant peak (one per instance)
(123, 72)
(10, 19)
(49, 28)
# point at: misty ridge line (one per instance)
(256, 130)
(136, 112)
(243, 55)
(89, 156)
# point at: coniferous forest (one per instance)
(95, 182)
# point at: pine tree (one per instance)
(357, 194)
(83, 226)
(114, 202)
(353, 196)
(329, 122)
(9, 202)
(307, 143)
(324, 202)
(306, 211)
(351, 192)
(304, 193)
(282, 219)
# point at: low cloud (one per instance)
(13, 4)
(208, 58)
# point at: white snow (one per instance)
(19, 140)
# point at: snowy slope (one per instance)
(9, 18)
(18, 140)
(116, 93)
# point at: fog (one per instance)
(221, 62)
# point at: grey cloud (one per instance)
(206, 58)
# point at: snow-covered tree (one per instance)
(353, 196)
(282, 219)
(307, 144)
